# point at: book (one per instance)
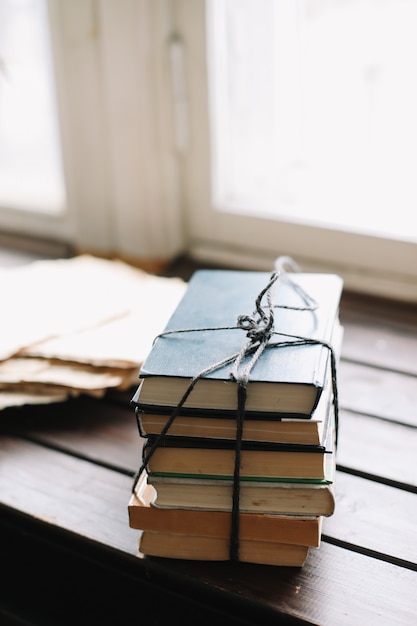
(194, 547)
(273, 495)
(300, 431)
(257, 426)
(220, 425)
(262, 461)
(270, 497)
(216, 458)
(203, 332)
(143, 515)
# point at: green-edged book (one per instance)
(265, 496)
(287, 380)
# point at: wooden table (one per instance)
(68, 555)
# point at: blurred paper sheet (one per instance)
(20, 397)
(122, 342)
(28, 372)
(48, 299)
(80, 325)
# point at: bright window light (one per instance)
(30, 155)
(313, 111)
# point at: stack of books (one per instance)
(239, 416)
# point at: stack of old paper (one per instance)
(79, 325)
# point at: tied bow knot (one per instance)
(258, 331)
(260, 325)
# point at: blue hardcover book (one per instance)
(210, 331)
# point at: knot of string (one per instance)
(259, 328)
(255, 330)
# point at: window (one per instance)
(30, 148)
(113, 97)
(302, 117)
(238, 130)
(313, 112)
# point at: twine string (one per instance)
(259, 328)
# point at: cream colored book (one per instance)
(196, 547)
(255, 496)
(296, 529)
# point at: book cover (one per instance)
(304, 530)
(195, 547)
(286, 380)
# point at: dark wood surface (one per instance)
(68, 555)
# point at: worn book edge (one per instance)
(297, 529)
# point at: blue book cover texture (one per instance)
(215, 299)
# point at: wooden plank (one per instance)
(91, 501)
(368, 514)
(374, 517)
(356, 498)
(108, 434)
(67, 492)
(97, 430)
(378, 448)
(335, 586)
(362, 308)
(377, 392)
(81, 496)
(380, 345)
